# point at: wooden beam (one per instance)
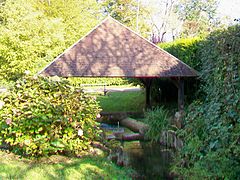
(180, 94)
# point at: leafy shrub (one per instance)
(158, 121)
(42, 117)
(186, 50)
(212, 126)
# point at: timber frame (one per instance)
(177, 81)
(113, 50)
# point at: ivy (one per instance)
(211, 133)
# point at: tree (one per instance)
(198, 16)
(33, 33)
(78, 16)
(131, 13)
(164, 20)
(27, 39)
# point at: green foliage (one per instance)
(211, 131)
(126, 11)
(77, 16)
(42, 117)
(33, 33)
(198, 17)
(27, 38)
(192, 10)
(158, 121)
(186, 50)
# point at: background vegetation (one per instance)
(98, 81)
(33, 33)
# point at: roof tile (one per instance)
(113, 50)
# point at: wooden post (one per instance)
(147, 83)
(180, 94)
(104, 90)
(148, 95)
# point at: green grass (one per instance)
(123, 101)
(59, 167)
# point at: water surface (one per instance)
(151, 161)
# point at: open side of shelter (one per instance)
(113, 50)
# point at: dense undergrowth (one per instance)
(212, 124)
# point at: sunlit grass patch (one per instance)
(13, 167)
(123, 101)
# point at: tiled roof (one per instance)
(113, 50)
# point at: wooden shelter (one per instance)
(113, 50)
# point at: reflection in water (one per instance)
(151, 161)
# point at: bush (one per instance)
(212, 126)
(158, 121)
(186, 50)
(42, 117)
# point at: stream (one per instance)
(149, 160)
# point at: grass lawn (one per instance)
(122, 101)
(59, 167)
